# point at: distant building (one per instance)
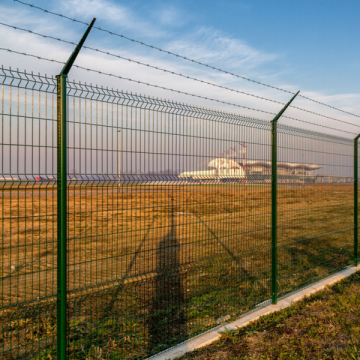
(227, 169)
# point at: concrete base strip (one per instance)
(211, 336)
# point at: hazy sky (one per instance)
(306, 45)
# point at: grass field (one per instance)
(326, 325)
(151, 266)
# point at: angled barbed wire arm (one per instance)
(274, 275)
(62, 200)
(356, 197)
(276, 118)
(75, 53)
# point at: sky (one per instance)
(311, 46)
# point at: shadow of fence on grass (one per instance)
(167, 323)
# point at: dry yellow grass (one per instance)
(107, 228)
(141, 233)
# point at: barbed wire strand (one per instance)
(172, 90)
(176, 73)
(184, 57)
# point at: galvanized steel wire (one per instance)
(169, 232)
(176, 91)
(153, 257)
(187, 59)
(178, 74)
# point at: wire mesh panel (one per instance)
(315, 206)
(168, 218)
(160, 251)
(27, 216)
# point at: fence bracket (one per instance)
(274, 275)
(61, 200)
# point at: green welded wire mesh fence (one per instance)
(169, 218)
(316, 225)
(28, 216)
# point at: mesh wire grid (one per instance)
(315, 207)
(169, 218)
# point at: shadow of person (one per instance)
(168, 324)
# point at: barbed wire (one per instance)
(173, 90)
(185, 58)
(175, 73)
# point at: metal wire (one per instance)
(154, 257)
(177, 91)
(317, 232)
(178, 74)
(169, 210)
(188, 59)
(27, 218)
(161, 245)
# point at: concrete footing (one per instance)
(213, 335)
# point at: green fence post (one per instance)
(273, 212)
(61, 200)
(356, 222)
(61, 216)
(274, 290)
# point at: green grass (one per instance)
(325, 325)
